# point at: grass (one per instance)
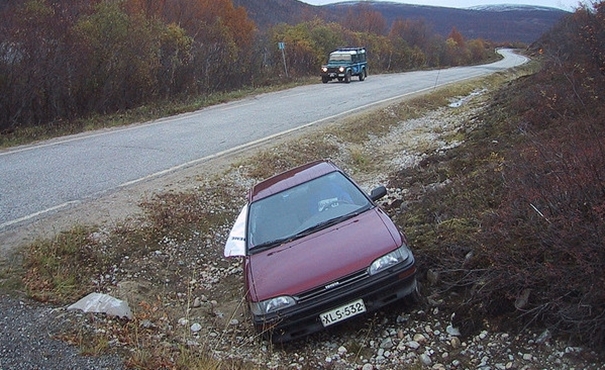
(62, 269)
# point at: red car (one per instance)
(317, 250)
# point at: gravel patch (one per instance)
(27, 340)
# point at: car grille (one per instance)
(344, 282)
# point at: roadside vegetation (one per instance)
(510, 223)
(518, 233)
(71, 66)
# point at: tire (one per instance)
(413, 298)
(348, 77)
(362, 75)
(325, 80)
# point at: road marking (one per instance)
(232, 106)
(36, 214)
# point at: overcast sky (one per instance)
(568, 5)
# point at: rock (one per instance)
(451, 330)
(527, 357)
(420, 338)
(432, 276)
(386, 343)
(455, 342)
(103, 303)
(403, 318)
(425, 359)
(146, 324)
(196, 302)
(523, 299)
(196, 327)
(544, 337)
(183, 321)
(413, 344)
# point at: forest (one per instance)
(62, 60)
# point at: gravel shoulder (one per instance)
(202, 293)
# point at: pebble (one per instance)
(387, 343)
(425, 359)
(413, 344)
(196, 302)
(455, 342)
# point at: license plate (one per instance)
(342, 313)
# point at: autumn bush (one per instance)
(518, 236)
(551, 224)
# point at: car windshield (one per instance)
(303, 209)
(340, 57)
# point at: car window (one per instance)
(286, 214)
(339, 57)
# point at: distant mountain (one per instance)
(266, 13)
(498, 23)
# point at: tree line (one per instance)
(65, 59)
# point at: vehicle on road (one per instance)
(343, 63)
(317, 251)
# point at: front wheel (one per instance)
(348, 77)
(325, 80)
(363, 75)
(413, 298)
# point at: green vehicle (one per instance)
(344, 63)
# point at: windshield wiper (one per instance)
(322, 225)
(328, 223)
(270, 244)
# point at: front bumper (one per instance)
(303, 319)
(333, 73)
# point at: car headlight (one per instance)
(341, 69)
(388, 260)
(324, 69)
(271, 305)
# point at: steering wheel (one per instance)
(325, 204)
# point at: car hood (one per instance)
(322, 257)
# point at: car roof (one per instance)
(291, 178)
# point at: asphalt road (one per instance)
(40, 179)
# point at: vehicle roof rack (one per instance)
(352, 49)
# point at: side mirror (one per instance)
(378, 193)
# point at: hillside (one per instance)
(496, 23)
